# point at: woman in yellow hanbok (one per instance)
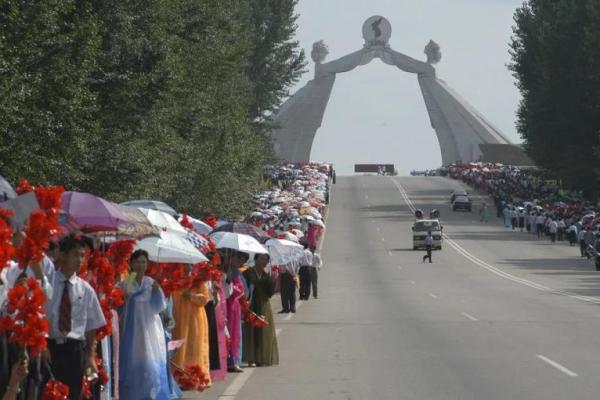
(191, 326)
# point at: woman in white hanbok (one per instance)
(143, 354)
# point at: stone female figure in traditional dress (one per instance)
(260, 344)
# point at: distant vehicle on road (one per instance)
(462, 203)
(420, 229)
(458, 192)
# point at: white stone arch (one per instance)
(460, 128)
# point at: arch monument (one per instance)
(463, 133)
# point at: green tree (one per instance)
(47, 50)
(162, 99)
(276, 60)
(128, 81)
(554, 53)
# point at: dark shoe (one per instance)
(235, 369)
(293, 311)
(315, 297)
(283, 312)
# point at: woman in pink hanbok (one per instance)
(220, 307)
(234, 311)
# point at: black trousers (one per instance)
(304, 273)
(213, 337)
(288, 292)
(68, 364)
(539, 229)
(583, 248)
(428, 255)
(314, 280)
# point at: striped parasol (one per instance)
(245, 229)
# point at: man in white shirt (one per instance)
(539, 224)
(581, 239)
(314, 271)
(428, 247)
(305, 273)
(45, 274)
(552, 229)
(74, 315)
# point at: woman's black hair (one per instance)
(137, 254)
(243, 256)
(258, 255)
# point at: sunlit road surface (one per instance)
(497, 315)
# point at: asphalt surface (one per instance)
(497, 315)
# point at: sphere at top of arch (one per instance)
(377, 31)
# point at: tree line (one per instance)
(160, 99)
(555, 52)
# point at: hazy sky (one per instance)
(376, 113)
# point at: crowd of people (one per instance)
(528, 203)
(116, 321)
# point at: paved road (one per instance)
(498, 315)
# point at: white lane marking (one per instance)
(290, 315)
(367, 196)
(433, 296)
(378, 229)
(399, 267)
(390, 254)
(412, 282)
(496, 270)
(556, 365)
(469, 316)
(236, 385)
(383, 239)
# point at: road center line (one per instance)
(433, 296)
(556, 365)
(412, 282)
(399, 267)
(469, 316)
(390, 253)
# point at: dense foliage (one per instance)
(556, 60)
(161, 99)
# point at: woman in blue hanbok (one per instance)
(143, 352)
